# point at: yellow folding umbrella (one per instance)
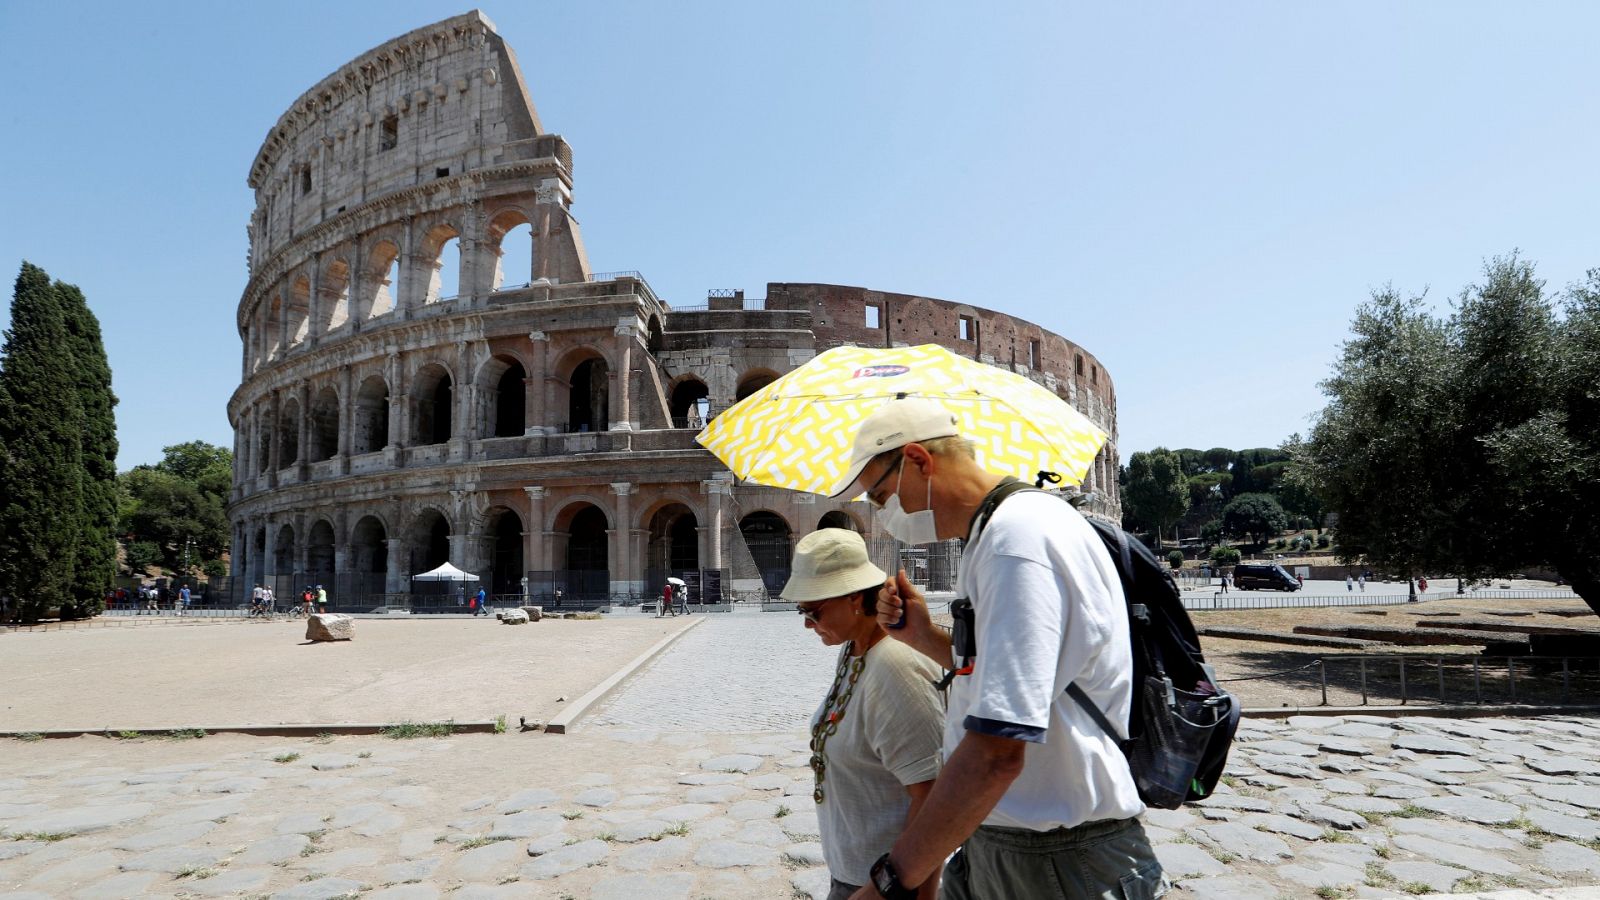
(796, 432)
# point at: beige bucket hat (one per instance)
(830, 562)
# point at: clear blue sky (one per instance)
(1200, 194)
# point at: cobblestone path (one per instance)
(743, 671)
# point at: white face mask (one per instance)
(909, 528)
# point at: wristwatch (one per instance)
(887, 881)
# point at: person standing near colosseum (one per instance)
(876, 736)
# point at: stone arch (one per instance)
(752, 380)
(289, 433)
(324, 431)
(838, 518)
(335, 295)
(370, 430)
(503, 544)
(272, 333)
(441, 246)
(503, 397)
(584, 554)
(320, 553)
(655, 338)
(672, 544)
(258, 556)
(690, 402)
(368, 555)
(433, 399)
(298, 311)
(771, 541)
(427, 541)
(381, 281)
(511, 245)
(588, 383)
(283, 551)
(263, 445)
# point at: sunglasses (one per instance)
(894, 466)
(811, 611)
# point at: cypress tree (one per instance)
(95, 564)
(40, 451)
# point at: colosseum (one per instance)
(432, 373)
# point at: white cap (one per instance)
(828, 563)
(895, 424)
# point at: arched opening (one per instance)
(656, 341)
(839, 519)
(588, 572)
(589, 396)
(289, 434)
(753, 381)
(673, 548)
(325, 425)
(272, 334)
(371, 431)
(505, 552)
(690, 403)
(283, 551)
(768, 537)
(429, 541)
(264, 451)
(383, 278)
(319, 555)
(336, 295)
(443, 245)
(299, 310)
(512, 239)
(503, 393)
(258, 557)
(434, 402)
(369, 547)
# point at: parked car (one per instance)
(1269, 577)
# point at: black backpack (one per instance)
(1181, 722)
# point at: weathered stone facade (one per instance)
(517, 422)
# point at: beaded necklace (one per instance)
(832, 711)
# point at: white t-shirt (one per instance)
(1049, 612)
(888, 737)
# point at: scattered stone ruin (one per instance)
(407, 400)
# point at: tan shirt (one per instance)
(889, 737)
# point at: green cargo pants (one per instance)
(1110, 860)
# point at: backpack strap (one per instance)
(1094, 712)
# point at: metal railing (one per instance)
(1446, 679)
(1276, 600)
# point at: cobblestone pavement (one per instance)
(743, 671)
(1356, 807)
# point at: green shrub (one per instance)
(1225, 556)
(1175, 559)
(142, 555)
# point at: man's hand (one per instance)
(899, 600)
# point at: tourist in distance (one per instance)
(1034, 794)
(876, 736)
(322, 600)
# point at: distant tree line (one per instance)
(1215, 493)
(58, 451)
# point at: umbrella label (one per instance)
(880, 371)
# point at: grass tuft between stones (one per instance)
(407, 730)
(28, 736)
(572, 814)
(48, 837)
(1417, 887)
(473, 843)
(678, 829)
(286, 757)
(1378, 876)
(1330, 892)
(1413, 811)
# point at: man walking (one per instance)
(183, 600)
(1035, 794)
(479, 601)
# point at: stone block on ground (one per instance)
(330, 627)
(513, 617)
(535, 613)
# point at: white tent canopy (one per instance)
(445, 572)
